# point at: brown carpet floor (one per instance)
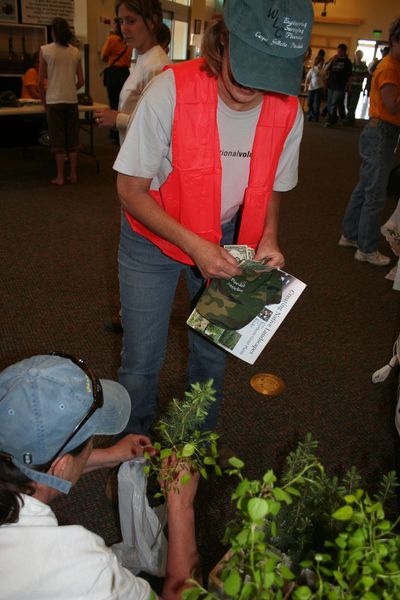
(58, 282)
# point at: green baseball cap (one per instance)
(233, 303)
(267, 42)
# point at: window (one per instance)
(179, 40)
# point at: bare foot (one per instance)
(57, 181)
(72, 179)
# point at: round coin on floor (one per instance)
(267, 384)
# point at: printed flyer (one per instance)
(242, 314)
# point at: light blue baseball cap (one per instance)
(267, 42)
(42, 400)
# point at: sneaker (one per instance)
(347, 243)
(374, 258)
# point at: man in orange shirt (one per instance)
(378, 143)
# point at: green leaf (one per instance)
(350, 498)
(209, 460)
(247, 591)
(165, 453)
(257, 508)
(192, 593)
(344, 513)
(286, 573)
(367, 582)
(293, 491)
(232, 584)
(217, 470)
(269, 477)
(269, 580)
(339, 578)
(203, 472)
(302, 593)
(281, 495)
(185, 479)
(273, 507)
(188, 450)
(236, 462)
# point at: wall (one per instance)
(346, 13)
(89, 29)
(354, 20)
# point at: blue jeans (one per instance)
(314, 102)
(335, 104)
(148, 281)
(377, 145)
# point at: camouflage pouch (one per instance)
(233, 303)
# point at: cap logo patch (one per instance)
(286, 32)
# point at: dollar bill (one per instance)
(237, 251)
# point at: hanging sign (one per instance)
(42, 12)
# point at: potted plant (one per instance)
(307, 536)
(180, 434)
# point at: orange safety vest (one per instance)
(191, 193)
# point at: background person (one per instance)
(358, 74)
(50, 409)
(314, 86)
(184, 178)
(140, 21)
(338, 70)
(118, 56)
(378, 143)
(60, 63)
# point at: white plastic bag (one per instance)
(144, 546)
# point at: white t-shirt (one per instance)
(147, 66)
(42, 561)
(315, 78)
(62, 63)
(147, 151)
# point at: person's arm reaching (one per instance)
(183, 558)
(211, 259)
(130, 446)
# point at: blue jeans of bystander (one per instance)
(377, 146)
(335, 104)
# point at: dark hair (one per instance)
(164, 36)
(13, 483)
(212, 46)
(149, 10)
(62, 32)
(321, 52)
(342, 47)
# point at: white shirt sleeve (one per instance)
(286, 176)
(146, 150)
